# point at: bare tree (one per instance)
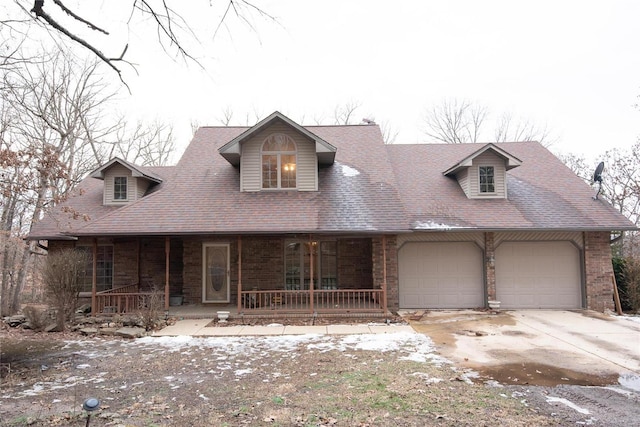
(620, 186)
(227, 116)
(509, 129)
(579, 165)
(173, 31)
(345, 114)
(455, 121)
(621, 181)
(54, 129)
(146, 144)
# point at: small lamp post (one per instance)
(91, 404)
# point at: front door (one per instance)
(215, 286)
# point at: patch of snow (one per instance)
(225, 352)
(242, 372)
(630, 381)
(633, 318)
(552, 399)
(349, 171)
(588, 422)
(427, 378)
(432, 225)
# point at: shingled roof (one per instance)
(543, 193)
(358, 193)
(369, 188)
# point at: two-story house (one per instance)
(281, 218)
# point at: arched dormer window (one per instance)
(278, 162)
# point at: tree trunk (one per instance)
(20, 280)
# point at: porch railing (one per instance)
(323, 301)
(127, 299)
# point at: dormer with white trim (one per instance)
(277, 154)
(124, 182)
(483, 174)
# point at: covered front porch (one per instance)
(265, 276)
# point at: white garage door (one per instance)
(440, 275)
(538, 275)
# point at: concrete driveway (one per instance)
(539, 347)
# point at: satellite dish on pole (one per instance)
(597, 177)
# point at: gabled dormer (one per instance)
(278, 154)
(483, 174)
(124, 182)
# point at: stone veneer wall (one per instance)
(598, 271)
(393, 296)
(490, 265)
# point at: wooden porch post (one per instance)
(239, 274)
(138, 256)
(311, 273)
(384, 273)
(167, 251)
(94, 277)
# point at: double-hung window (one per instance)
(487, 179)
(120, 188)
(279, 162)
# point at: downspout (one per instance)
(239, 274)
(167, 251)
(94, 278)
(384, 273)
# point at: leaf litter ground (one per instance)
(394, 379)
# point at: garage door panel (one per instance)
(538, 275)
(440, 275)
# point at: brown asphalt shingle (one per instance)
(543, 193)
(370, 188)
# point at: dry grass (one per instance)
(224, 385)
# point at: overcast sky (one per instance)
(571, 65)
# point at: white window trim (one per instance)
(278, 155)
(126, 195)
(487, 193)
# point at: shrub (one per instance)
(630, 292)
(151, 309)
(38, 318)
(61, 275)
(621, 283)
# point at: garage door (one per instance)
(440, 275)
(538, 275)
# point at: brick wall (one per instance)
(355, 264)
(192, 266)
(598, 271)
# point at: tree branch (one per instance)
(78, 18)
(40, 13)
